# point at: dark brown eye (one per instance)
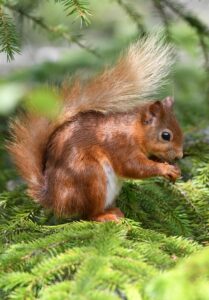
(166, 136)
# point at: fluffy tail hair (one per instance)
(137, 75)
(135, 78)
(29, 137)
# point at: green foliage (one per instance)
(79, 7)
(83, 259)
(43, 100)
(179, 209)
(9, 39)
(8, 36)
(188, 281)
(158, 250)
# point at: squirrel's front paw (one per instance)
(171, 172)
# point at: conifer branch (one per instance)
(188, 16)
(56, 30)
(79, 7)
(8, 36)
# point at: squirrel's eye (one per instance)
(166, 136)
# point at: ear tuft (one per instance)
(168, 102)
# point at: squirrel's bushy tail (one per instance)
(136, 77)
(29, 137)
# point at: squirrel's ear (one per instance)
(153, 110)
(168, 102)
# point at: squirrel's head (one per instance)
(163, 136)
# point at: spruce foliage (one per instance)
(161, 247)
(8, 36)
(78, 7)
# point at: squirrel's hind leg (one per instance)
(85, 187)
(78, 187)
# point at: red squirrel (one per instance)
(108, 130)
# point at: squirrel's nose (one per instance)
(179, 154)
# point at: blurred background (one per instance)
(56, 39)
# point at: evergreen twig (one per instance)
(188, 16)
(79, 7)
(8, 36)
(58, 31)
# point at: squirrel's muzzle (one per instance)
(179, 154)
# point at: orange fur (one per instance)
(27, 148)
(106, 130)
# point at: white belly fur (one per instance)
(114, 185)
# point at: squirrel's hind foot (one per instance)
(112, 214)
